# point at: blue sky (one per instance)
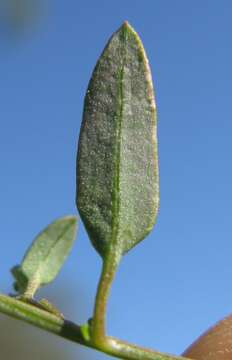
(177, 282)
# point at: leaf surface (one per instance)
(117, 162)
(46, 254)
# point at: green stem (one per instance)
(70, 331)
(31, 288)
(127, 351)
(40, 318)
(98, 331)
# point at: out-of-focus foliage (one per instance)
(46, 255)
(17, 15)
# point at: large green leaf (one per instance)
(46, 255)
(117, 165)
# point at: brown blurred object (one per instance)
(214, 344)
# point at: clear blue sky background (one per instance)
(177, 282)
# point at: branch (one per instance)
(70, 331)
(40, 318)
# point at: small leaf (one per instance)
(45, 256)
(117, 163)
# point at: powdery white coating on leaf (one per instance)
(117, 165)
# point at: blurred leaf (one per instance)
(16, 16)
(117, 164)
(45, 256)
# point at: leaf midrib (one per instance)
(116, 187)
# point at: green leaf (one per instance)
(117, 163)
(45, 257)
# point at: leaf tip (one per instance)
(126, 28)
(71, 219)
(126, 25)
